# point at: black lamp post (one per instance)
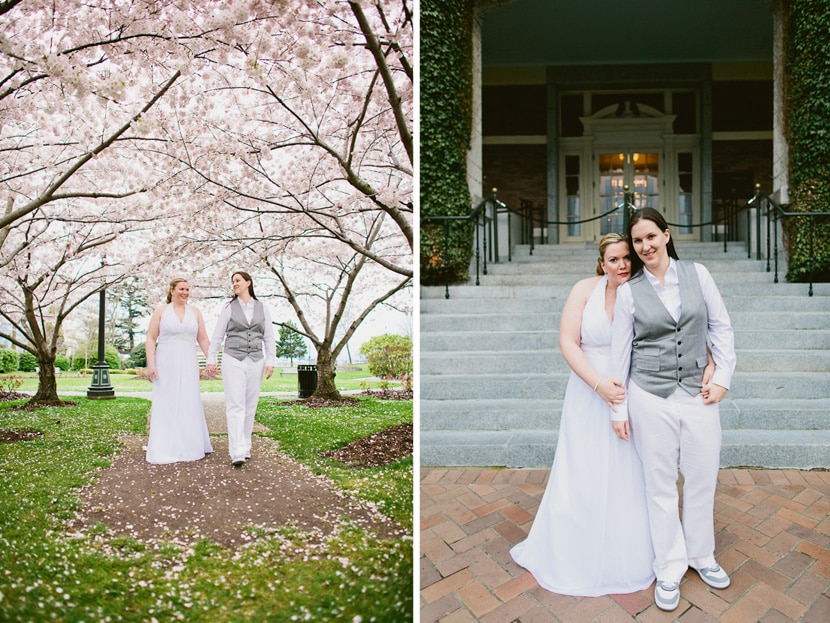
(101, 388)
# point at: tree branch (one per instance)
(50, 193)
(373, 45)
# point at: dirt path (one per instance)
(185, 502)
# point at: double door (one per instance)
(625, 175)
(595, 196)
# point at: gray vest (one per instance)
(666, 353)
(243, 340)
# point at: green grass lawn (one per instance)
(48, 574)
(350, 378)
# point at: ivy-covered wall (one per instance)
(445, 113)
(807, 114)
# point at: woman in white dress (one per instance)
(178, 431)
(591, 535)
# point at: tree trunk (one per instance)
(326, 387)
(47, 387)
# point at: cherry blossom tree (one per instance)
(50, 286)
(81, 90)
(330, 288)
(320, 291)
(315, 157)
(271, 132)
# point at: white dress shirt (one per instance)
(720, 336)
(222, 327)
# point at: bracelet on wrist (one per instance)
(597, 383)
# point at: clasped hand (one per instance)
(611, 391)
(713, 393)
(211, 369)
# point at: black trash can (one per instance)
(306, 380)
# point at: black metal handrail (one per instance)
(774, 212)
(499, 207)
(764, 205)
(480, 220)
(626, 207)
(488, 223)
(525, 213)
(485, 219)
(728, 220)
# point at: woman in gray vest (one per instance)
(245, 328)
(664, 318)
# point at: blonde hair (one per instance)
(173, 285)
(606, 241)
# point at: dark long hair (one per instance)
(647, 214)
(247, 278)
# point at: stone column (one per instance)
(475, 165)
(706, 159)
(553, 157)
(780, 148)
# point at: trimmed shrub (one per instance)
(28, 362)
(389, 356)
(9, 360)
(138, 356)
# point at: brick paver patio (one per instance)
(773, 537)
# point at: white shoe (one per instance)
(714, 576)
(667, 595)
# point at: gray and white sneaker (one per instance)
(714, 576)
(667, 595)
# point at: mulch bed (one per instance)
(8, 396)
(376, 450)
(389, 394)
(348, 401)
(19, 434)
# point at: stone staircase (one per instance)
(492, 377)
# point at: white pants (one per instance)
(666, 431)
(242, 381)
